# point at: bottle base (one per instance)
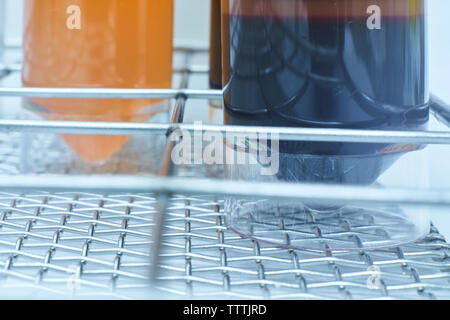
(293, 225)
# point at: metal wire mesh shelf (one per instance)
(100, 236)
(85, 245)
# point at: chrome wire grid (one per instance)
(100, 244)
(82, 245)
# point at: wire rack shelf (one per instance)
(108, 236)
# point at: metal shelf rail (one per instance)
(89, 236)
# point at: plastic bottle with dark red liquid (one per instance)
(353, 64)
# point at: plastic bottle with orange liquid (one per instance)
(97, 44)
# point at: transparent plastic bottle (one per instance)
(351, 64)
(97, 44)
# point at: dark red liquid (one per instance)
(327, 71)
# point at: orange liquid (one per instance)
(120, 44)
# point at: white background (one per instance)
(192, 26)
